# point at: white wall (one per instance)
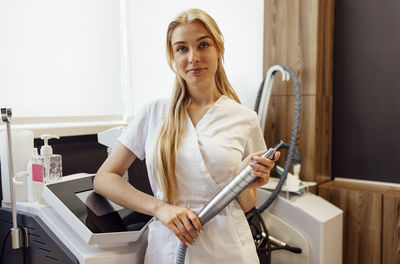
(63, 58)
(60, 58)
(240, 21)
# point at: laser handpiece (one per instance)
(232, 189)
(225, 196)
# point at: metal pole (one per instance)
(16, 238)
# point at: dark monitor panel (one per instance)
(97, 213)
(366, 90)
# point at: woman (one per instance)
(194, 143)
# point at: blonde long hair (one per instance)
(168, 140)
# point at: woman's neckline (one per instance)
(197, 118)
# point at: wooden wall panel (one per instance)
(314, 133)
(325, 41)
(290, 37)
(391, 227)
(362, 214)
(371, 220)
(323, 138)
(279, 126)
(300, 34)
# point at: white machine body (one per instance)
(89, 248)
(132, 253)
(306, 221)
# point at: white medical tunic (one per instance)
(207, 158)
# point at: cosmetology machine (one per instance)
(71, 224)
(75, 225)
(299, 226)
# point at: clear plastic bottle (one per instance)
(52, 163)
(52, 167)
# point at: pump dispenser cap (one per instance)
(46, 149)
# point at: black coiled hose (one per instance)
(293, 139)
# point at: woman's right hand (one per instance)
(180, 220)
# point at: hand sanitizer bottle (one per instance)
(52, 167)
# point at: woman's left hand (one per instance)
(261, 169)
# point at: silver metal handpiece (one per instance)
(232, 189)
